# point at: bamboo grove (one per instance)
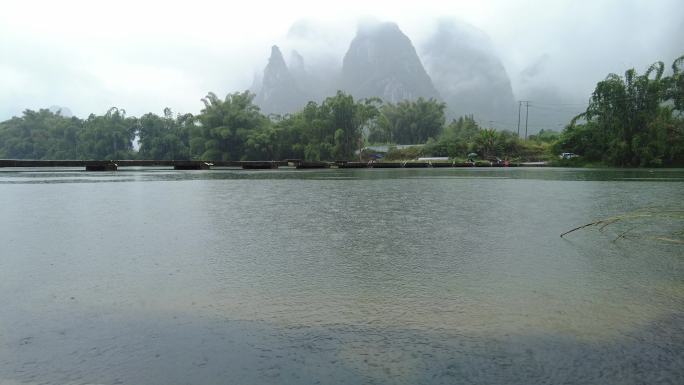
(632, 120)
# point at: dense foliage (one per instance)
(39, 135)
(635, 120)
(165, 137)
(409, 122)
(464, 136)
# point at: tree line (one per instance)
(232, 128)
(635, 120)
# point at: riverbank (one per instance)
(113, 165)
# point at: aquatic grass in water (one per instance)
(655, 223)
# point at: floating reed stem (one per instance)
(655, 213)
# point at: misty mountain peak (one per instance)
(296, 61)
(279, 92)
(381, 61)
(373, 28)
(276, 59)
(459, 66)
(303, 29)
(469, 75)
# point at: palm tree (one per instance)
(487, 142)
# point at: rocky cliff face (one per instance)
(468, 74)
(461, 69)
(279, 92)
(382, 62)
(316, 82)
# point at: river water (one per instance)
(434, 276)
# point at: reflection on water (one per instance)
(337, 276)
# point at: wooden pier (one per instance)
(113, 165)
(259, 165)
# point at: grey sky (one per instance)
(145, 55)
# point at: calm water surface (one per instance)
(436, 276)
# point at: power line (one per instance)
(561, 104)
(558, 109)
(512, 124)
(509, 124)
(527, 105)
(572, 106)
(527, 114)
(518, 118)
(548, 109)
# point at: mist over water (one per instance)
(338, 276)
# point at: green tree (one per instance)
(165, 137)
(487, 143)
(633, 120)
(109, 136)
(40, 134)
(675, 85)
(411, 122)
(225, 126)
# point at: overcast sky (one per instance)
(146, 55)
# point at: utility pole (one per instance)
(519, 105)
(527, 113)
